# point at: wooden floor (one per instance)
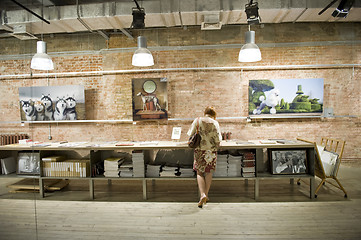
(283, 211)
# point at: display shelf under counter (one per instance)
(266, 153)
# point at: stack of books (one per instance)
(138, 164)
(152, 171)
(126, 169)
(186, 172)
(57, 166)
(248, 165)
(168, 171)
(221, 166)
(49, 168)
(234, 166)
(111, 166)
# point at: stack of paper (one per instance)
(153, 171)
(186, 172)
(329, 162)
(111, 166)
(8, 165)
(221, 166)
(126, 169)
(168, 171)
(234, 166)
(138, 164)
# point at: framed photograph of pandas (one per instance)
(149, 99)
(52, 103)
(285, 97)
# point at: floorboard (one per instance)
(283, 211)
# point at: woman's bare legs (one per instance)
(204, 184)
(208, 180)
(201, 180)
(201, 183)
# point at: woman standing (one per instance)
(205, 155)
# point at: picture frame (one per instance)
(285, 97)
(28, 163)
(52, 103)
(288, 161)
(149, 99)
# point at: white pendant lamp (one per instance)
(41, 60)
(250, 51)
(142, 56)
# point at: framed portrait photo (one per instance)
(288, 161)
(28, 163)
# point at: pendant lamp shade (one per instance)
(41, 60)
(142, 56)
(250, 51)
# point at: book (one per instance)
(248, 169)
(244, 142)
(53, 159)
(268, 142)
(248, 163)
(124, 144)
(250, 174)
(248, 156)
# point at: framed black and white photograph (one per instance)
(288, 161)
(52, 103)
(28, 163)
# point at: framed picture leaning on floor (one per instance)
(288, 161)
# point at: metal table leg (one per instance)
(91, 188)
(145, 189)
(256, 189)
(41, 187)
(312, 187)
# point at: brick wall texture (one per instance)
(189, 55)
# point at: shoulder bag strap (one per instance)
(197, 125)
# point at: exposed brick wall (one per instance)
(109, 96)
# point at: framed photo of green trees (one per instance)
(286, 96)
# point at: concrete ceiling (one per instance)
(104, 17)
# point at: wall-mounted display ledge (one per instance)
(310, 116)
(235, 68)
(86, 121)
(178, 119)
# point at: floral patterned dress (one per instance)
(205, 156)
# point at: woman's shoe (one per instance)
(202, 201)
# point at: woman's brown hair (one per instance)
(210, 111)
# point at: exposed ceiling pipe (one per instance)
(79, 18)
(180, 15)
(100, 32)
(103, 34)
(126, 33)
(27, 9)
(303, 11)
(137, 5)
(4, 21)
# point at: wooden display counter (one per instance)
(264, 151)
